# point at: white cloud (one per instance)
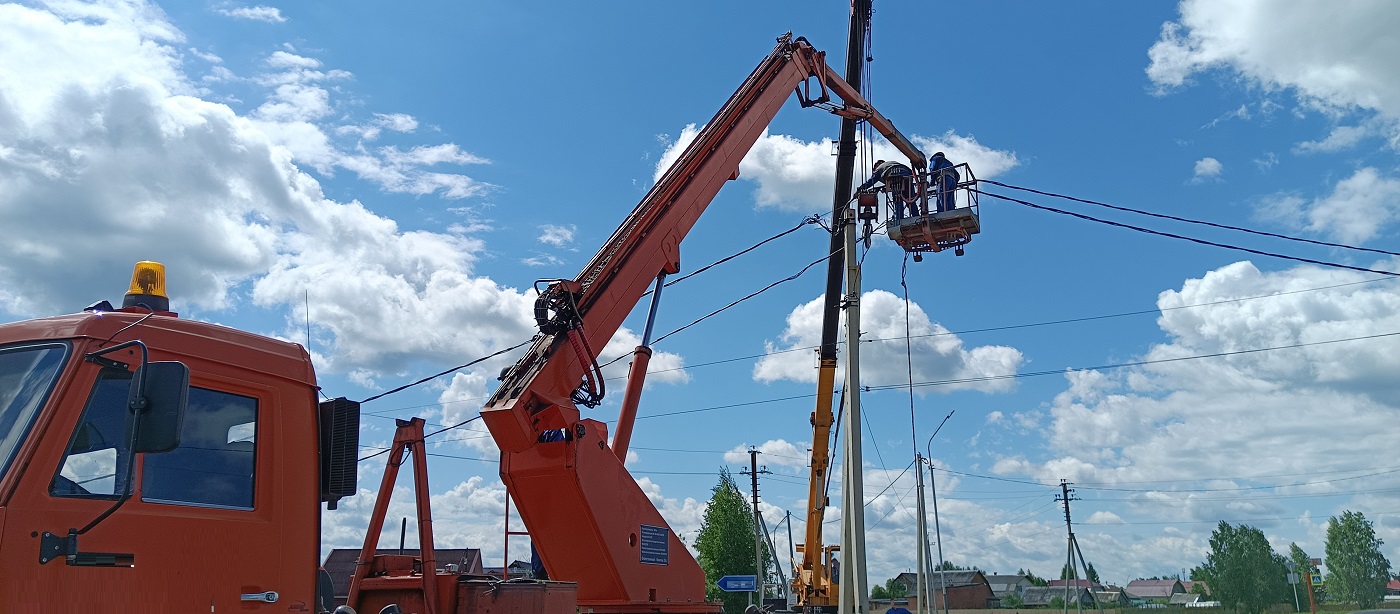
(663, 368)
(105, 144)
(254, 13)
(939, 356)
(558, 236)
(796, 175)
(1207, 168)
(1359, 208)
(1336, 59)
(1247, 412)
(771, 452)
(1342, 137)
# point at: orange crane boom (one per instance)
(587, 517)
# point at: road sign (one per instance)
(1317, 580)
(738, 584)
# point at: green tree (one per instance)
(892, 589)
(1243, 572)
(726, 542)
(1012, 601)
(948, 566)
(1091, 574)
(1034, 579)
(1356, 570)
(1302, 565)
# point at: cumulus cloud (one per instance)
(1342, 137)
(1207, 168)
(267, 14)
(1247, 411)
(771, 452)
(107, 145)
(939, 356)
(796, 175)
(1359, 208)
(1335, 60)
(556, 235)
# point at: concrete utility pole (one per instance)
(854, 593)
(1066, 495)
(921, 591)
(761, 586)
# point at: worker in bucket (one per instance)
(899, 181)
(944, 179)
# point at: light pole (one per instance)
(933, 491)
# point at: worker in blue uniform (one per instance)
(945, 182)
(899, 180)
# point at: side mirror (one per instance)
(160, 392)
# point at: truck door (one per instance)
(201, 525)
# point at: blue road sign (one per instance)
(738, 584)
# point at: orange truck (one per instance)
(150, 463)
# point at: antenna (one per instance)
(306, 298)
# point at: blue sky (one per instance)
(405, 173)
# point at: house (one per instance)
(1003, 586)
(1184, 599)
(1192, 586)
(1392, 591)
(1112, 599)
(340, 564)
(517, 569)
(966, 590)
(1155, 591)
(1040, 596)
(1078, 582)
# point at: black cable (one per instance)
(806, 221)
(425, 437)
(751, 295)
(1139, 363)
(1191, 221)
(1186, 238)
(1060, 371)
(457, 368)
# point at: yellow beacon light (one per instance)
(147, 287)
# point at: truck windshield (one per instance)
(27, 375)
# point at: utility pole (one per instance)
(921, 591)
(761, 586)
(937, 531)
(854, 594)
(1066, 495)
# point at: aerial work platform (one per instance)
(947, 200)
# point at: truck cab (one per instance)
(226, 520)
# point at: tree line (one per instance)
(1242, 571)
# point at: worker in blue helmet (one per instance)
(899, 181)
(944, 179)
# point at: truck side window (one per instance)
(215, 461)
(90, 466)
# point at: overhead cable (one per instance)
(1191, 221)
(457, 368)
(1169, 235)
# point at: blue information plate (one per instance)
(656, 543)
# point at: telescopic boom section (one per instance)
(586, 516)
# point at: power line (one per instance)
(1193, 221)
(1169, 235)
(381, 413)
(1138, 363)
